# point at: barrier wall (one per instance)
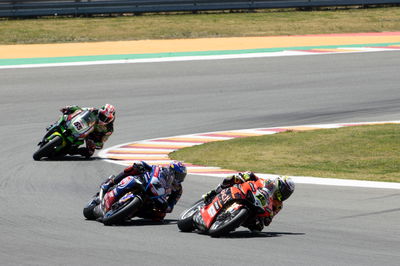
(26, 8)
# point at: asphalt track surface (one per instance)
(41, 220)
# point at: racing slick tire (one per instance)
(88, 210)
(227, 222)
(47, 149)
(185, 221)
(123, 212)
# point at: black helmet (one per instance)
(284, 188)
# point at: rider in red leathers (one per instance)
(280, 188)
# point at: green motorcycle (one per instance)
(68, 133)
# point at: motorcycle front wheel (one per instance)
(228, 221)
(88, 210)
(47, 149)
(185, 221)
(123, 212)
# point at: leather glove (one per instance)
(207, 198)
(139, 167)
(108, 184)
(247, 176)
(65, 110)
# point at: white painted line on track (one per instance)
(328, 181)
(127, 158)
(202, 57)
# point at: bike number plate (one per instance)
(211, 211)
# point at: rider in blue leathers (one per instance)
(165, 185)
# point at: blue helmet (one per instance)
(179, 170)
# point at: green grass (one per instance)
(360, 152)
(261, 23)
(368, 152)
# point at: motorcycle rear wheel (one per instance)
(223, 225)
(47, 149)
(185, 221)
(126, 210)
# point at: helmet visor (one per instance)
(179, 177)
(286, 188)
(103, 118)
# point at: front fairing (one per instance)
(126, 197)
(66, 127)
(128, 188)
(251, 194)
(258, 197)
(54, 130)
(56, 127)
(226, 199)
(80, 125)
(261, 202)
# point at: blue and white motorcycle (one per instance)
(136, 200)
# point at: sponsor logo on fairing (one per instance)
(211, 211)
(125, 181)
(126, 197)
(216, 205)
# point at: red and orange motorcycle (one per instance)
(228, 210)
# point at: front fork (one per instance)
(50, 131)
